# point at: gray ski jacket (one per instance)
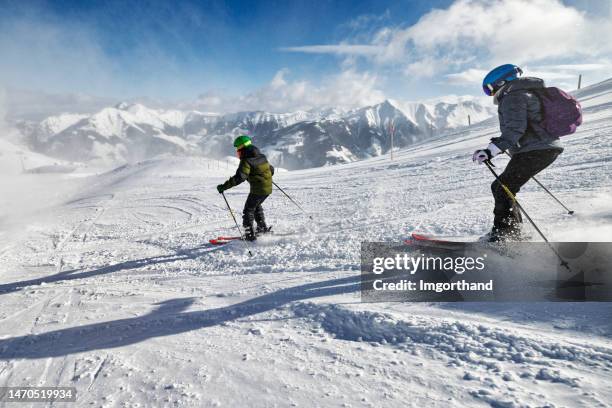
(520, 115)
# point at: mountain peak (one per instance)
(122, 105)
(388, 103)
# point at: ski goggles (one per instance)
(488, 89)
(492, 87)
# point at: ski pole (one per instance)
(235, 222)
(570, 212)
(291, 199)
(520, 207)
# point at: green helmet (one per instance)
(242, 141)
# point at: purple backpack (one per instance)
(562, 113)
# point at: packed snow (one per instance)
(114, 288)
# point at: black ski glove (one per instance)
(220, 188)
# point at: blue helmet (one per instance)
(499, 77)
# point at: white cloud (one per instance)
(39, 54)
(339, 49)
(470, 76)
(422, 68)
(510, 30)
(366, 22)
(348, 89)
(279, 79)
(43, 50)
(478, 34)
(36, 105)
(583, 67)
(2, 110)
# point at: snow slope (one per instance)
(15, 158)
(118, 293)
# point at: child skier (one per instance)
(531, 147)
(254, 168)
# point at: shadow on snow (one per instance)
(168, 319)
(74, 274)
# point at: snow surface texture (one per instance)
(133, 132)
(115, 290)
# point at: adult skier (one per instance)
(523, 137)
(255, 169)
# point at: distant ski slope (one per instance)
(117, 292)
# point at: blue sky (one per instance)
(285, 55)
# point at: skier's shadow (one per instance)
(168, 319)
(73, 274)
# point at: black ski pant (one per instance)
(253, 210)
(520, 168)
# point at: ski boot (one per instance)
(249, 233)
(491, 236)
(262, 229)
(510, 234)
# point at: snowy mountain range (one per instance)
(302, 139)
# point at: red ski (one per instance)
(429, 240)
(223, 240)
(425, 238)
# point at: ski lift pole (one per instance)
(520, 207)
(570, 212)
(292, 200)
(392, 131)
(236, 222)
